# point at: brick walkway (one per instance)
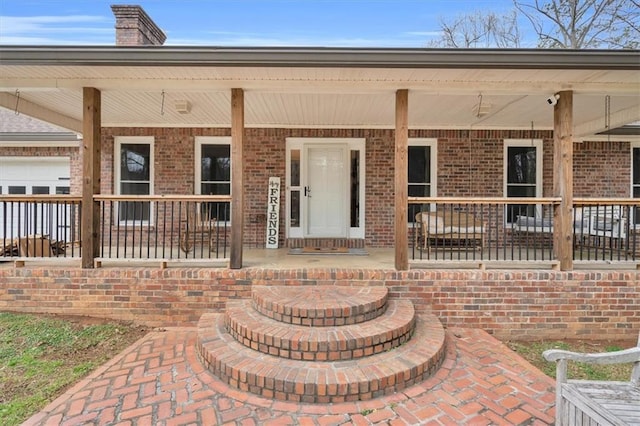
(160, 381)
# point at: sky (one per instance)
(331, 23)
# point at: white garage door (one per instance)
(34, 175)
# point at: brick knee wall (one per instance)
(521, 305)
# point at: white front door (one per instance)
(325, 184)
(326, 190)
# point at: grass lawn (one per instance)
(532, 352)
(41, 356)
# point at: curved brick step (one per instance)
(321, 382)
(301, 342)
(320, 305)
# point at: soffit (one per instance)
(330, 97)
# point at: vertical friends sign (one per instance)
(273, 212)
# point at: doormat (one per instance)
(329, 250)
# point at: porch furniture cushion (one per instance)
(597, 402)
(455, 228)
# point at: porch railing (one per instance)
(131, 227)
(164, 227)
(520, 229)
(40, 226)
(440, 229)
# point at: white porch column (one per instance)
(401, 179)
(91, 148)
(563, 179)
(237, 173)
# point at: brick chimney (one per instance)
(135, 28)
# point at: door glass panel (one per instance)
(294, 214)
(636, 183)
(355, 189)
(295, 167)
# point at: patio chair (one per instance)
(198, 227)
(596, 401)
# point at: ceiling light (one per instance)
(183, 106)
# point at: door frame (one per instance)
(301, 144)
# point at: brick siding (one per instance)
(521, 305)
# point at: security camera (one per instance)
(552, 100)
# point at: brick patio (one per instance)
(160, 381)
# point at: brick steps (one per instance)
(321, 382)
(264, 334)
(320, 305)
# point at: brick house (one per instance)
(361, 140)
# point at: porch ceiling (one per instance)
(323, 96)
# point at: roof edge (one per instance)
(320, 57)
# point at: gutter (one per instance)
(320, 57)
(39, 139)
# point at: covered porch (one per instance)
(287, 113)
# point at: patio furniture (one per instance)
(199, 227)
(591, 225)
(593, 402)
(448, 229)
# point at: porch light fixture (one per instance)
(183, 106)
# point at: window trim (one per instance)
(432, 143)
(197, 182)
(538, 144)
(117, 147)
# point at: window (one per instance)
(16, 190)
(523, 175)
(39, 190)
(422, 172)
(213, 174)
(635, 179)
(134, 170)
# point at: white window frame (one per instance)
(538, 144)
(117, 146)
(210, 140)
(432, 143)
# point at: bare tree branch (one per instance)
(479, 29)
(583, 24)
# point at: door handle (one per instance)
(307, 191)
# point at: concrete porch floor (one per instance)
(159, 380)
(375, 258)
